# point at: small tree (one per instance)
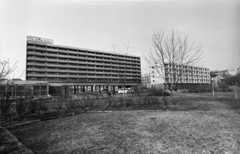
(5, 71)
(174, 49)
(122, 70)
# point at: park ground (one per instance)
(201, 124)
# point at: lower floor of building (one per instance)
(40, 88)
(180, 86)
(78, 89)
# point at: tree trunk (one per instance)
(172, 97)
(124, 99)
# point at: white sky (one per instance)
(215, 25)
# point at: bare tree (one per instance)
(122, 70)
(5, 71)
(174, 51)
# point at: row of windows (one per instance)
(190, 80)
(188, 76)
(186, 67)
(90, 73)
(54, 69)
(196, 81)
(80, 65)
(185, 76)
(79, 79)
(80, 51)
(189, 72)
(52, 54)
(66, 61)
(81, 74)
(73, 64)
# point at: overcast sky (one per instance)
(215, 25)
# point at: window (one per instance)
(152, 67)
(152, 71)
(153, 80)
(153, 76)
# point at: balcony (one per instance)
(88, 53)
(77, 66)
(57, 75)
(96, 54)
(82, 58)
(35, 75)
(52, 50)
(101, 60)
(85, 63)
(36, 53)
(36, 58)
(61, 56)
(37, 48)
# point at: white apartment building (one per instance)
(146, 80)
(187, 75)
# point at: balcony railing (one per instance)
(78, 52)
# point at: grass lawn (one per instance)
(204, 125)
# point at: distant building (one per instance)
(221, 73)
(16, 88)
(189, 76)
(228, 72)
(233, 71)
(74, 70)
(146, 80)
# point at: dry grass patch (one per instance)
(190, 132)
(214, 129)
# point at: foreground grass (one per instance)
(203, 126)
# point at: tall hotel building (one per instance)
(187, 75)
(77, 69)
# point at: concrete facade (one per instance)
(80, 69)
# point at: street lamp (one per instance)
(213, 75)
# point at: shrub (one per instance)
(113, 101)
(158, 92)
(138, 101)
(89, 101)
(165, 101)
(184, 91)
(42, 104)
(150, 100)
(199, 89)
(129, 101)
(33, 105)
(71, 104)
(4, 107)
(154, 100)
(21, 107)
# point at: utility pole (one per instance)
(213, 86)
